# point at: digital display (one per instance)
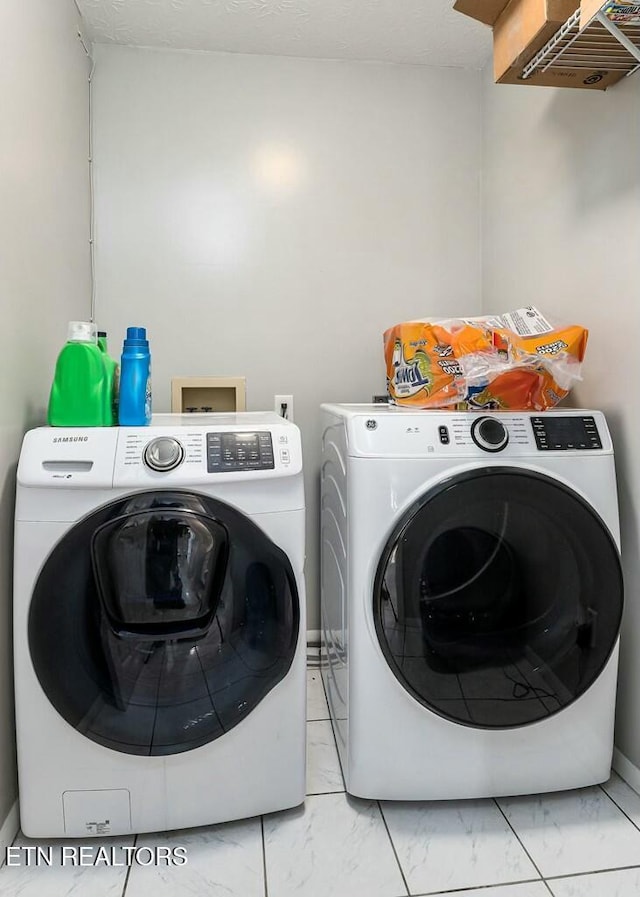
(566, 433)
(239, 451)
(240, 438)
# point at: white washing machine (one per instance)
(159, 624)
(471, 600)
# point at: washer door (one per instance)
(159, 622)
(498, 600)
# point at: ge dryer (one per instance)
(159, 624)
(471, 600)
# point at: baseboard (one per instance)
(8, 831)
(313, 638)
(626, 770)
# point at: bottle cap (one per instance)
(136, 339)
(81, 332)
(136, 333)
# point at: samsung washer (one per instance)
(159, 624)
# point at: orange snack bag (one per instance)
(516, 361)
(422, 367)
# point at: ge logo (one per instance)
(371, 425)
(595, 77)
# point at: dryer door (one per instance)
(159, 622)
(498, 599)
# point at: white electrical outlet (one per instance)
(283, 405)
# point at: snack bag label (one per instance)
(623, 13)
(422, 367)
(410, 377)
(525, 321)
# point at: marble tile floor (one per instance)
(582, 843)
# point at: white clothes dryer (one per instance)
(471, 600)
(159, 624)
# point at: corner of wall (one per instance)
(8, 831)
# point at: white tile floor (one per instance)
(577, 844)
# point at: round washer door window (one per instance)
(159, 622)
(498, 600)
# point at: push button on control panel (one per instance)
(443, 433)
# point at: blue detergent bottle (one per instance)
(135, 380)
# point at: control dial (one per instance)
(163, 454)
(489, 434)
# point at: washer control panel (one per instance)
(563, 434)
(238, 450)
(229, 451)
(214, 448)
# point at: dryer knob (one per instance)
(163, 454)
(489, 434)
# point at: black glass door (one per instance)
(159, 622)
(498, 600)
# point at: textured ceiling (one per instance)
(424, 32)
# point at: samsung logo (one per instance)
(71, 439)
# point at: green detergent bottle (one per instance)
(112, 369)
(79, 390)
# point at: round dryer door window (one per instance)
(498, 600)
(159, 622)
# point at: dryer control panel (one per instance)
(398, 432)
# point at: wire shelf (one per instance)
(601, 45)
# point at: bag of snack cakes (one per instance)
(515, 361)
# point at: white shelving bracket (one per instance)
(619, 35)
(588, 48)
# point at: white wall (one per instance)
(562, 230)
(44, 271)
(270, 217)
